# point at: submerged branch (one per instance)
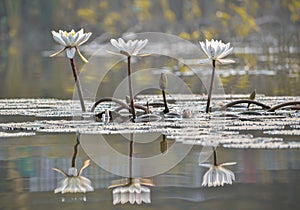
(110, 99)
(290, 103)
(122, 104)
(243, 102)
(135, 105)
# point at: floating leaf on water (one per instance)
(295, 126)
(253, 127)
(148, 118)
(218, 127)
(283, 132)
(19, 134)
(268, 145)
(42, 107)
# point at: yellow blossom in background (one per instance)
(185, 35)
(88, 15)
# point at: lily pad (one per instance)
(232, 128)
(19, 134)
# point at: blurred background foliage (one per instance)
(25, 27)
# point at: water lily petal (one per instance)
(70, 52)
(228, 164)
(114, 43)
(71, 38)
(203, 61)
(144, 54)
(208, 47)
(218, 176)
(60, 171)
(146, 197)
(65, 38)
(58, 52)
(216, 50)
(225, 61)
(140, 45)
(83, 38)
(81, 56)
(113, 53)
(122, 43)
(204, 49)
(207, 165)
(76, 38)
(132, 198)
(225, 52)
(124, 197)
(138, 198)
(129, 48)
(72, 171)
(116, 196)
(57, 37)
(84, 165)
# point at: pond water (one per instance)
(268, 163)
(265, 179)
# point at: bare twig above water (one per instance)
(243, 101)
(290, 103)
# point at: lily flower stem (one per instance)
(78, 86)
(215, 156)
(130, 88)
(165, 102)
(211, 86)
(75, 152)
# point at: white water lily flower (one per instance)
(70, 40)
(129, 48)
(133, 192)
(217, 175)
(74, 182)
(216, 50)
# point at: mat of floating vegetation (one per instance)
(235, 127)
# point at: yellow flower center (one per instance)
(72, 33)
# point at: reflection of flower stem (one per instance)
(163, 145)
(211, 86)
(165, 102)
(130, 88)
(130, 156)
(215, 156)
(75, 151)
(77, 82)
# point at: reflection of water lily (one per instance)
(132, 192)
(217, 175)
(74, 182)
(130, 48)
(70, 40)
(216, 50)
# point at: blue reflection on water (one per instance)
(262, 176)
